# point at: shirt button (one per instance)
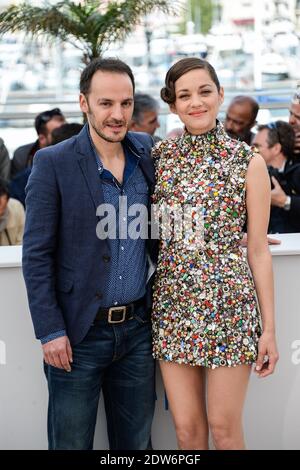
(106, 258)
(124, 218)
(122, 248)
(99, 295)
(115, 303)
(120, 277)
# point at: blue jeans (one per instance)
(118, 360)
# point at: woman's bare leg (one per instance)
(185, 388)
(226, 392)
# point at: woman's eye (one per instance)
(183, 96)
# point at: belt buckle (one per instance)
(111, 311)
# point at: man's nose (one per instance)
(117, 113)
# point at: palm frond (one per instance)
(90, 25)
(50, 21)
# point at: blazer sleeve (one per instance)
(40, 243)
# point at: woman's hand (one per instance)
(271, 241)
(267, 355)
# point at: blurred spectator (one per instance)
(294, 121)
(241, 117)
(45, 123)
(176, 132)
(145, 115)
(275, 142)
(4, 161)
(19, 182)
(12, 218)
(65, 132)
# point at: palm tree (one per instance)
(89, 25)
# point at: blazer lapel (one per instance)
(146, 162)
(148, 170)
(87, 163)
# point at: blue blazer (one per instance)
(64, 263)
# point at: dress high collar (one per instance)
(213, 135)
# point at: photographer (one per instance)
(275, 142)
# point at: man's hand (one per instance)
(271, 241)
(278, 196)
(58, 353)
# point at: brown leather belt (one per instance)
(119, 313)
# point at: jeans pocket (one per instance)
(142, 321)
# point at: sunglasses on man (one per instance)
(45, 117)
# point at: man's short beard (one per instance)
(103, 136)
(99, 133)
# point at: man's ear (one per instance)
(277, 148)
(43, 140)
(84, 106)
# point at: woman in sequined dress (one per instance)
(213, 313)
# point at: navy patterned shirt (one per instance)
(127, 277)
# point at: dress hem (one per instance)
(208, 366)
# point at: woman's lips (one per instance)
(197, 113)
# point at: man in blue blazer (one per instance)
(90, 296)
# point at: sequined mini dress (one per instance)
(205, 309)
